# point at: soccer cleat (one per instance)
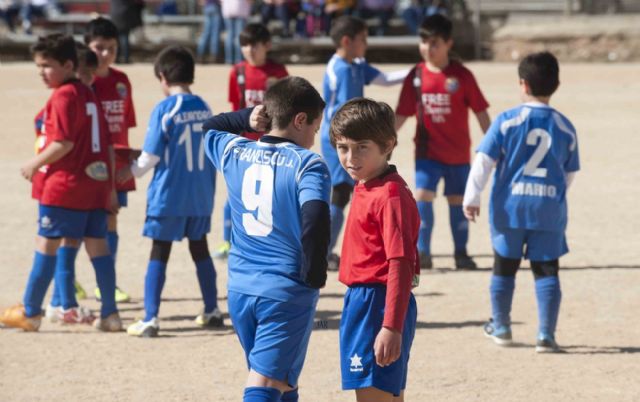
(212, 320)
(121, 295)
(425, 261)
(333, 262)
(144, 329)
(110, 323)
(500, 335)
(53, 313)
(14, 317)
(547, 344)
(80, 292)
(222, 252)
(78, 315)
(463, 261)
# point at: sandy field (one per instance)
(451, 360)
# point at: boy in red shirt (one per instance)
(379, 256)
(113, 90)
(440, 91)
(248, 82)
(76, 188)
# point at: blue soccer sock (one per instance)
(290, 396)
(425, 209)
(337, 218)
(549, 295)
(153, 284)
(501, 290)
(40, 277)
(261, 394)
(112, 239)
(459, 228)
(226, 223)
(63, 286)
(106, 279)
(207, 280)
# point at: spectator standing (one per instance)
(210, 37)
(235, 14)
(127, 16)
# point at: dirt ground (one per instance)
(450, 360)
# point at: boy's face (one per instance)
(357, 47)
(256, 54)
(435, 50)
(106, 50)
(53, 72)
(363, 160)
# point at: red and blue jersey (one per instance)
(37, 181)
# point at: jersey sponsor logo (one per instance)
(97, 171)
(263, 157)
(45, 222)
(121, 87)
(356, 364)
(437, 105)
(452, 85)
(534, 189)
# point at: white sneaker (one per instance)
(54, 313)
(212, 319)
(144, 329)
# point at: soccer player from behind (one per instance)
(76, 189)
(113, 90)
(248, 82)
(379, 260)
(535, 151)
(440, 92)
(279, 196)
(346, 76)
(180, 194)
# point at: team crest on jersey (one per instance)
(97, 171)
(121, 87)
(451, 84)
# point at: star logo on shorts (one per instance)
(356, 363)
(45, 222)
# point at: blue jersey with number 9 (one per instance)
(268, 182)
(535, 147)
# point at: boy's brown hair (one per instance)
(348, 26)
(362, 119)
(290, 96)
(58, 47)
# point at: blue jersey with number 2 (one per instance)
(535, 147)
(267, 184)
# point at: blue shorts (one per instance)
(361, 321)
(429, 173)
(273, 334)
(74, 223)
(330, 155)
(535, 245)
(123, 198)
(176, 228)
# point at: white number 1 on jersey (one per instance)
(257, 195)
(185, 138)
(92, 110)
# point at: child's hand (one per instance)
(259, 121)
(470, 212)
(387, 346)
(123, 175)
(28, 170)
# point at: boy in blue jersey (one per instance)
(279, 197)
(347, 74)
(180, 195)
(535, 151)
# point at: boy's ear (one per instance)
(299, 120)
(69, 66)
(524, 85)
(345, 41)
(449, 43)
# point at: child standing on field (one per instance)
(379, 260)
(535, 151)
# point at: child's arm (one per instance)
(234, 122)
(114, 204)
(315, 242)
(484, 120)
(391, 78)
(52, 153)
(139, 167)
(400, 119)
(478, 177)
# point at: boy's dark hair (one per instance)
(100, 28)
(362, 119)
(541, 72)
(176, 64)
(436, 25)
(86, 56)
(290, 96)
(348, 26)
(58, 47)
(253, 34)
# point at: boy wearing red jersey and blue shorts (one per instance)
(379, 260)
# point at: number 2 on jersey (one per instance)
(531, 168)
(257, 195)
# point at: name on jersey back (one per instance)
(534, 189)
(263, 157)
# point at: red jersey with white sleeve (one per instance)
(114, 93)
(248, 84)
(383, 224)
(444, 99)
(81, 179)
(37, 181)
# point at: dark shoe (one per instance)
(463, 261)
(425, 261)
(499, 335)
(547, 344)
(333, 262)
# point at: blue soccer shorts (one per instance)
(123, 198)
(361, 321)
(176, 228)
(535, 245)
(429, 173)
(56, 222)
(330, 155)
(274, 334)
